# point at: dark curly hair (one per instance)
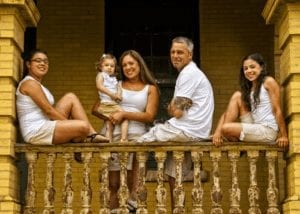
(246, 85)
(27, 57)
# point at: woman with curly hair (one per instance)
(257, 105)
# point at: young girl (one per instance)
(257, 106)
(178, 106)
(110, 93)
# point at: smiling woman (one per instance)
(42, 122)
(257, 106)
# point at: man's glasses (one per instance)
(39, 61)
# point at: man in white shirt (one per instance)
(194, 120)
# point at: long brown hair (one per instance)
(246, 85)
(146, 75)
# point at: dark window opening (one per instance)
(149, 27)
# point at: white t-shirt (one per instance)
(193, 84)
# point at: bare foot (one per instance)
(96, 138)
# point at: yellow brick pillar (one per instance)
(15, 16)
(285, 15)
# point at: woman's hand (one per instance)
(217, 139)
(282, 141)
(116, 117)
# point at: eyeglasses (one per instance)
(39, 61)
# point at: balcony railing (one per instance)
(204, 155)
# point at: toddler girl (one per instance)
(110, 93)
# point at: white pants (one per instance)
(167, 132)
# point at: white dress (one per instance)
(33, 122)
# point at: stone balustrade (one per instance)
(214, 157)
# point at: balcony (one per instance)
(243, 178)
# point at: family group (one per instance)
(127, 104)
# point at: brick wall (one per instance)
(72, 32)
(229, 31)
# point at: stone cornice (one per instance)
(27, 8)
(274, 8)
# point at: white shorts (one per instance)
(44, 136)
(256, 132)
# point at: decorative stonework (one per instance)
(86, 191)
(49, 192)
(178, 193)
(31, 158)
(123, 193)
(272, 191)
(216, 192)
(253, 191)
(142, 190)
(235, 192)
(104, 183)
(160, 191)
(68, 193)
(197, 191)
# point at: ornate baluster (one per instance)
(234, 192)
(49, 192)
(179, 194)
(197, 191)
(253, 191)
(272, 191)
(68, 192)
(86, 191)
(142, 190)
(31, 158)
(104, 183)
(216, 192)
(160, 191)
(123, 192)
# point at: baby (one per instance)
(178, 105)
(110, 93)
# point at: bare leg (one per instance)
(76, 129)
(133, 179)
(172, 186)
(231, 129)
(124, 131)
(114, 185)
(70, 106)
(109, 130)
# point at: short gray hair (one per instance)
(188, 42)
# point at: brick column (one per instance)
(15, 16)
(285, 15)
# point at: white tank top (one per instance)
(263, 113)
(30, 116)
(134, 101)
